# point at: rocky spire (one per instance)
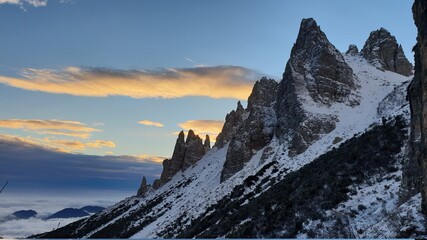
(352, 50)
(143, 188)
(233, 121)
(194, 150)
(382, 50)
(414, 174)
(255, 131)
(315, 75)
(207, 144)
(186, 153)
(178, 154)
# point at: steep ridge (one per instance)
(414, 175)
(274, 160)
(185, 154)
(382, 51)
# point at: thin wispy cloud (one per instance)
(58, 145)
(151, 123)
(25, 3)
(101, 144)
(151, 158)
(214, 82)
(54, 127)
(189, 60)
(203, 127)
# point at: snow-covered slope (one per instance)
(169, 210)
(318, 157)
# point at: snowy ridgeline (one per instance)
(194, 196)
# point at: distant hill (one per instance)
(75, 212)
(24, 214)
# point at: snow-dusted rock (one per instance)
(382, 50)
(315, 75)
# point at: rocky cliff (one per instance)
(185, 154)
(316, 76)
(254, 129)
(414, 174)
(317, 155)
(382, 50)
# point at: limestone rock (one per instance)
(186, 153)
(257, 129)
(207, 144)
(194, 150)
(415, 167)
(316, 75)
(382, 50)
(156, 184)
(144, 188)
(233, 122)
(352, 50)
(178, 154)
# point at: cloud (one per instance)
(57, 145)
(151, 158)
(214, 82)
(101, 144)
(209, 127)
(29, 166)
(23, 3)
(150, 123)
(54, 127)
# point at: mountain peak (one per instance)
(316, 74)
(382, 50)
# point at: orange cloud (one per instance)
(58, 145)
(203, 127)
(101, 144)
(215, 82)
(150, 123)
(151, 158)
(54, 127)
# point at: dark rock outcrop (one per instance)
(255, 131)
(414, 172)
(194, 150)
(186, 153)
(382, 50)
(207, 144)
(24, 214)
(316, 75)
(352, 50)
(233, 121)
(143, 188)
(156, 184)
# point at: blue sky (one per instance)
(78, 76)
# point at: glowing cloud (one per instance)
(209, 127)
(215, 82)
(151, 158)
(57, 145)
(150, 123)
(36, 124)
(101, 144)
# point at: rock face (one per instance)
(143, 188)
(316, 75)
(254, 131)
(414, 174)
(352, 49)
(207, 144)
(233, 121)
(185, 154)
(382, 51)
(194, 150)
